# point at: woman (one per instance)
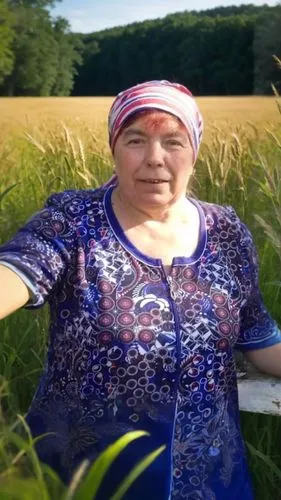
(149, 292)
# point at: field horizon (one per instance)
(21, 113)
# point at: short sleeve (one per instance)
(257, 328)
(41, 250)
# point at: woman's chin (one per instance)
(153, 192)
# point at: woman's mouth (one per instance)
(153, 181)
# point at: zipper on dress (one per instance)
(171, 299)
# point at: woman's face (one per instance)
(154, 160)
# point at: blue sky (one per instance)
(86, 16)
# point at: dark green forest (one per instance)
(222, 51)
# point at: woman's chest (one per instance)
(123, 299)
(180, 240)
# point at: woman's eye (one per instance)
(174, 142)
(135, 141)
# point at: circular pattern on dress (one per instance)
(134, 417)
(125, 303)
(146, 336)
(189, 287)
(139, 393)
(225, 245)
(58, 226)
(121, 389)
(189, 273)
(222, 312)
(225, 328)
(155, 312)
(64, 313)
(126, 336)
(132, 370)
(142, 381)
(106, 319)
(144, 319)
(125, 319)
(236, 329)
(142, 366)
(49, 232)
(105, 338)
(106, 304)
(121, 372)
(156, 396)
(222, 344)
(162, 352)
(165, 389)
(231, 254)
(132, 353)
(150, 356)
(235, 313)
(195, 481)
(131, 402)
(131, 384)
(219, 298)
(104, 287)
(189, 313)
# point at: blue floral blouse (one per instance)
(131, 348)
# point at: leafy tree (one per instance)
(68, 47)
(34, 49)
(266, 43)
(7, 34)
(45, 52)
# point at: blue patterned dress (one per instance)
(131, 348)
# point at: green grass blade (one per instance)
(136, 472)
(35, 462)
(267, 460)
(92, 481)
(6, 191)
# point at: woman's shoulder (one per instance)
(221, 213)
(74, 197)
(224, 220)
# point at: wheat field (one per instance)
(18, 114)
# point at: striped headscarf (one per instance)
(163, 95)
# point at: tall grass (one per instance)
(241, 167)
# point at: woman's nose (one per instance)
(154, 154)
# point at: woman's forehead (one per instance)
(155, 121)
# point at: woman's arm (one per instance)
(267, 360)
(13, 292)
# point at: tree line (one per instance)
(39, 56)
(221, 51)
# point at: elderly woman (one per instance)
(149, 291)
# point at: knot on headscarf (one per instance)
(163, 95)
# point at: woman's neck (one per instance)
(178, 211)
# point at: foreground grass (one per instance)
(239, 168)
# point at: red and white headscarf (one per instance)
(162, 95)
(173, 98)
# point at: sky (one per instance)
(87, 16)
